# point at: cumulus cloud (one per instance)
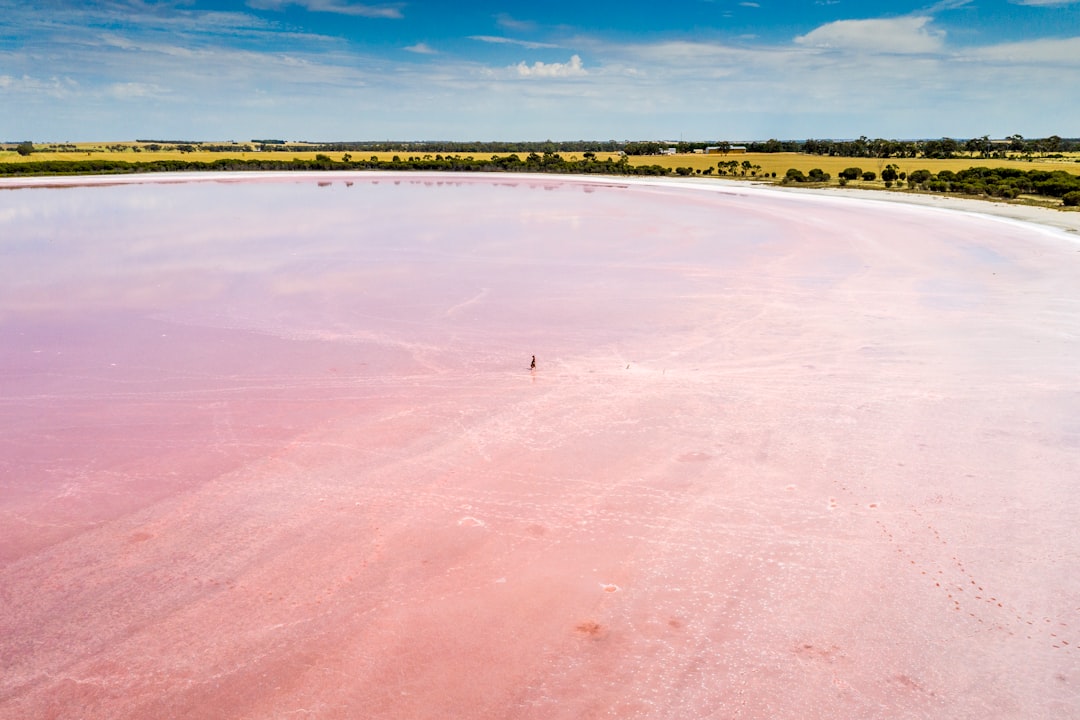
(911, 34)
(549, 70)
(511, 41)
(422, 48)
(338, 7)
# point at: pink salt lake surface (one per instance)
(273, 449)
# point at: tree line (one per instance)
(862, 147)
(532, 163)
(1005, 183)
(943, 148)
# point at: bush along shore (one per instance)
(533, 163)
(1003, 183)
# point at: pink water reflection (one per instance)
(273, 448)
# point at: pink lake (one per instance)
(273, 449)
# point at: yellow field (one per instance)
(99, 151)
(781, 162)
(765, 163)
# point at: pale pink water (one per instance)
(273, 449)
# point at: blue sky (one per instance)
(593, 69)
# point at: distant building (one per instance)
(717, 150)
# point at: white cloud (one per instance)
(509, 23)
(54, 87)
(1050, 52)
(946, 5)
(422, 48)
(337, 7)
(911, 34)
(540, 69)
(496, 39)
(127, 44)
(697, 59)
(133, 90)
(750, 4)
(1044, 3)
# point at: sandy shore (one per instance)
(1064, 220)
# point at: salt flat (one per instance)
(272, 447)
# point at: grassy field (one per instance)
(765, 164)
(779, 163)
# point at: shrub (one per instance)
(1072, 199)
(851, 173)
(919, 176)
(869, 175)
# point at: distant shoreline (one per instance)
(1061, 219)
(1050, 217)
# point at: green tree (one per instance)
(25, 148)
(980, 145)
(919, 177)
(1051, 144)
(851, 173)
